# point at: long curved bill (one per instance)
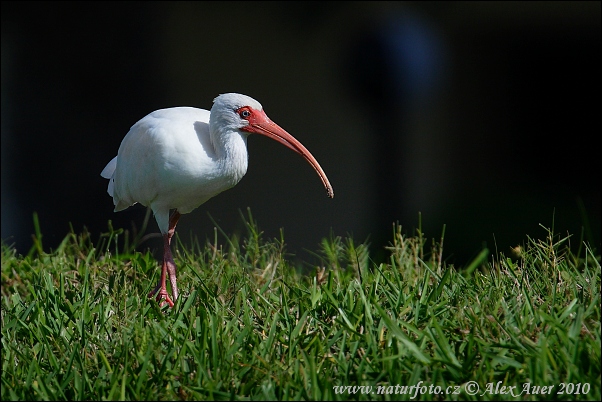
(264, 126)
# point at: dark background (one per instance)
(482, 117)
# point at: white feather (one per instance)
(180, 157)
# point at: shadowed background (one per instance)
(478, 116)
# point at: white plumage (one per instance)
(178, 158)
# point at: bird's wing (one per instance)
(158, 157)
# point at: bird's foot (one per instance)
(162, 296)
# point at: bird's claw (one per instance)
(162, 297)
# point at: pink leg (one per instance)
(168, 267)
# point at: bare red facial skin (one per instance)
(260, 123)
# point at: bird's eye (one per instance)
(244, 113)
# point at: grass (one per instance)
(76, 323)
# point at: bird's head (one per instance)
(232, 111)
(241, 113)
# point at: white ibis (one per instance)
(178, 158)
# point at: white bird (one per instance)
(178, 158)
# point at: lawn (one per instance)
(518, 325)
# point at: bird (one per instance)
(175, 159)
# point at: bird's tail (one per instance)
(108, 172)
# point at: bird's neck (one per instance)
(231, 151)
